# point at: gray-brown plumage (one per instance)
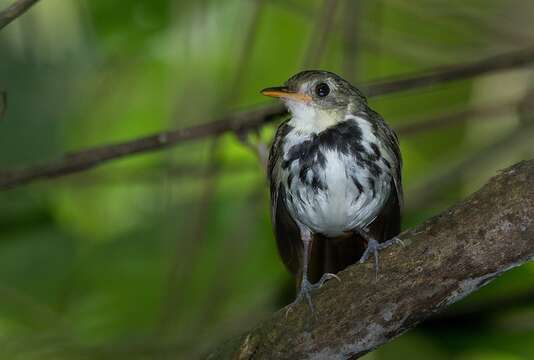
(335, 179)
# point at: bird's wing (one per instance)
(392, 152)
(387, 224)
(285, 229)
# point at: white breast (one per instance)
(340, 207)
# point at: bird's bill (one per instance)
(285, 93)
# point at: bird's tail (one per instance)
(331, 255)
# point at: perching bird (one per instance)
(335, 179)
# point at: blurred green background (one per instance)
(164, 255)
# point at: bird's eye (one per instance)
(322, 90)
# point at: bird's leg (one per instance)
(373, 246)
(305, 285)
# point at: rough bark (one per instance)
(444, 259)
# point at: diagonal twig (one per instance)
(433, 185)
(15, 10)
(454, 72)
(483, 113)
(351, 42)
(93, 157)
(181, 268)
(486, 113)
(249, 120)
(320, 33)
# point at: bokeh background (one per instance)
(165, 255)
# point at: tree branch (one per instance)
(246, 121)
(90, 158)
(484, 113)
(454, 72)
(6, 17)
(14, 11)
(445, 259)
(352, 16)
(320, 33)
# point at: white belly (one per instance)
(340, 207)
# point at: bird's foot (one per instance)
(374, 246)
(325, 278)
(306, 288)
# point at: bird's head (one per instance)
(318, 99)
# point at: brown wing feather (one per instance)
(286, 231)
(387, 223)
(287, 235)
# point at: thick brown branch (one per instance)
(445, 259)
(14, 11)
(246, 121)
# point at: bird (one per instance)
(334, 171)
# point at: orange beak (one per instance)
(285, 93)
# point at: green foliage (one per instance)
(164, 255)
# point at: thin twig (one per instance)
(433, 186)
(351, 26)
(246, 49)
(372, 39)
(319, 35)
(93, 157)
(3, 104)
(484, 113)
(7, 15)
(248, 120)
(454, 72)
(495, 27)
(180, 266)
(14, 11)
(194, 171)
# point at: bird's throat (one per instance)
(310, 119)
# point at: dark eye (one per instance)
(322, 90)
